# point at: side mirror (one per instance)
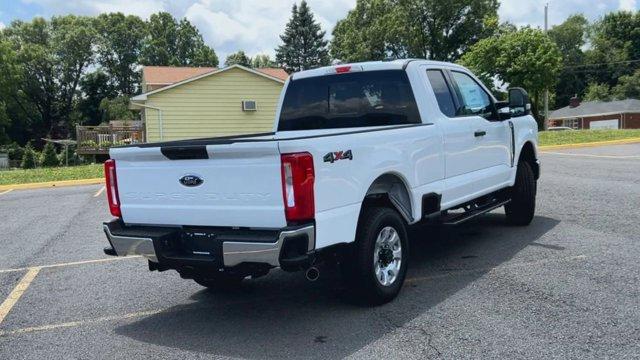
(504, 110)
(519, 102)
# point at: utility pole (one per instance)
(545, 125)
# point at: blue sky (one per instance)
(254, 25)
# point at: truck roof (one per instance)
(399, 64)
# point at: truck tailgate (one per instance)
(241, 186)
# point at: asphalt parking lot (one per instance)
(568, 286)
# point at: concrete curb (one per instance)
(48, 184)
(590, 144)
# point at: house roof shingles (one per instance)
(591, 108)
(168, 75)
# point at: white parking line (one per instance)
(99, 192)
(6, 191)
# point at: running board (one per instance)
(454, 219)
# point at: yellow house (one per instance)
(182, 102)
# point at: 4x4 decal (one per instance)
(338, 155)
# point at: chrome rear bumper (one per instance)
(234, 253)
(127, 245)
(138, 242)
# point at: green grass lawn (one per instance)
(584, 136)
(19, 176)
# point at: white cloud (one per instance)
(2, 26)
(255, 25)
(629, 5)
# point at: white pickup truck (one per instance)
(358, 153)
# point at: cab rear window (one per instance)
(358, 99)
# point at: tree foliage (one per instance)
(430, 29)
(526, 58)
(174, 43)
(570, 37)
(239, 58)
(262, 61)
(119, 43)
(597, 92)
(303, 44)
(53, 55)
(116, 109)
(29, 157)
(49, 156)
(615, 44)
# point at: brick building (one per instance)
(623, 114)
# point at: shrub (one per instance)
(29, 158)
(49, 156)
(14, 150)
(71, 155)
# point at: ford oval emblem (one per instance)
(191, 180)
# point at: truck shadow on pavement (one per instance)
(284, 316)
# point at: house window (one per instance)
(249, 105)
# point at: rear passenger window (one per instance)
(475, 101)
(358, 99)
(442, 92)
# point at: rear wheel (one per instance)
(376, 267)
(219, 281)
(522, 207)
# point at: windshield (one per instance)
(358, 99)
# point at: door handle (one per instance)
(479, 133)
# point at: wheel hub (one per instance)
(387, 256)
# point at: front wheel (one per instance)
(376, 267)
(522, 207)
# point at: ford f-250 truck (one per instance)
(358, 153)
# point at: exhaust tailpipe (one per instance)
(312, 273)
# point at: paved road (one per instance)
(565, 287)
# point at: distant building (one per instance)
(623, 114)
(186, 102)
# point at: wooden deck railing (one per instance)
(98, 139)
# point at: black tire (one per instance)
(522, 207)
(358, 267)
(220, 282)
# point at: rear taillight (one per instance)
(112, 187)
(297, 186)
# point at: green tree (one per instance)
(159, 48)
(54, 55)
(597, 92)
(527, 58)
(369, 32)
(262, 61)
(116, 109)
(570, 37)
(303, 44)
(119, 44)
(29, 157)
(431, 29)
(615, 43)
(170, 42)
(628, 87)
(444, 30)
(49, 156)
(94, 86)
(239, 58)
(9, 70)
